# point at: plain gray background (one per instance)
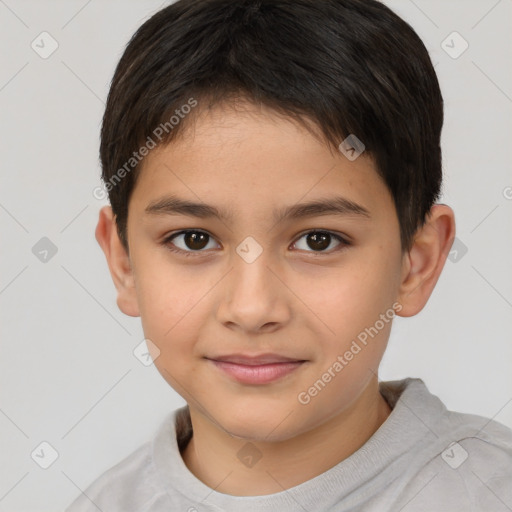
(68, 374)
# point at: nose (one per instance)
(253, 297)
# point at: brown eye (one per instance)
(319, 241)
(195, 240)
(188, 241)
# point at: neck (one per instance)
(287, 463)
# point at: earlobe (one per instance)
(423, 264)
(118, 262)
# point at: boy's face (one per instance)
(302, 297)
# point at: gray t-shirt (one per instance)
(422, 458)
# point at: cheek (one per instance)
(344, 298)
(347, 307)
(169, 306)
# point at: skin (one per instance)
(294, 299)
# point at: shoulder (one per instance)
(451, 460)
(469, 468)
(483, 461)
(128, 486)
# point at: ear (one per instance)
(118, 262)
(423, 264)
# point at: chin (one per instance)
(252, 423)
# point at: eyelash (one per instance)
(171, 247)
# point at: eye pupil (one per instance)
(195, 240)
(320, 240)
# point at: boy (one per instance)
(272, 168)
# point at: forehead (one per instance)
(253, 159)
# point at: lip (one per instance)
(254, 360)
(255, 370)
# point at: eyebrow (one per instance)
(338, 205)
